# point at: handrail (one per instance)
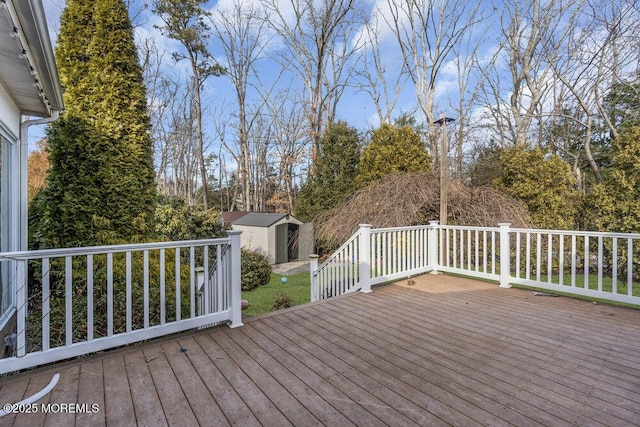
(337, 252)
(577, 233)
(74, 301)
(603, 265)
(94, 250)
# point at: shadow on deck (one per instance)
(437, 351)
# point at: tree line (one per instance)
(559, 76)
(551, 84)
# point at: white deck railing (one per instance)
(340, 273)
(71, 302)
(599, 265)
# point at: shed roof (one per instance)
(229, 217)
(256, 219)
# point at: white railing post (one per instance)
(236, 296)
(313, 266)
(365, 258)
(21, 304)
(505, 255)
(432, 245)
(200, 290)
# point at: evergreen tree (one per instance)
(333, 177)
(393, 149)
(184, 21)
(614, 204)
(100, 187)
(543, 182)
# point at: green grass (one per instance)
(260, 299)
(607, 282)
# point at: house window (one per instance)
(7, 147)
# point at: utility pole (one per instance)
(443, 166)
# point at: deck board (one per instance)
(441, 350)
(66, 392)
(118, 404)
(36, 383)
(91, 388)
(174, 403)
(146, 403)
(268, 384)
(235, 410)
(196, 394)
(11, 393)
(260, 405)
(303, 370)
(322, 410)
(455, 364)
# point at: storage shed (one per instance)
(272, 234)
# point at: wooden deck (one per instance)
(443, 351)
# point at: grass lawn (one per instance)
(260, 299)
(607, 282)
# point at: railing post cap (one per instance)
(504, 224)
(314, 256)
(233, 232)
(436, 222)
(365, 225)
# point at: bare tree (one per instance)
(534, 34)
(601, 50)
(240, 31)
(427, 32)
(184, 22)
(317, 47)
(290, 138)
(466, 99)
(383, 78)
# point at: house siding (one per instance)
(9, 116)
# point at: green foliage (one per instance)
(255, 269)
(485, 167)
(282, 301)
(614, 204)
(184, 21)
(333, 177)
(392, 150)
(100, 187)
(543, 182)
(623, 102)
(176, 220)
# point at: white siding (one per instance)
(9, 114)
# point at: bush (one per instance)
(282, 301)
(256, 269)
(176, 220)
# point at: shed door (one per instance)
(281, 243)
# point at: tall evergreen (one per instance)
(100, 188)
(334, 172)
(393, 149)
(614, 204)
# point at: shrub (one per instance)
(256, 270)
(176, 220)
(544, 183)
(282, 301)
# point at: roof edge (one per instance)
(33, 23)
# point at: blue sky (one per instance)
(356, 107)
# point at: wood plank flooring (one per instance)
(442, 351)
